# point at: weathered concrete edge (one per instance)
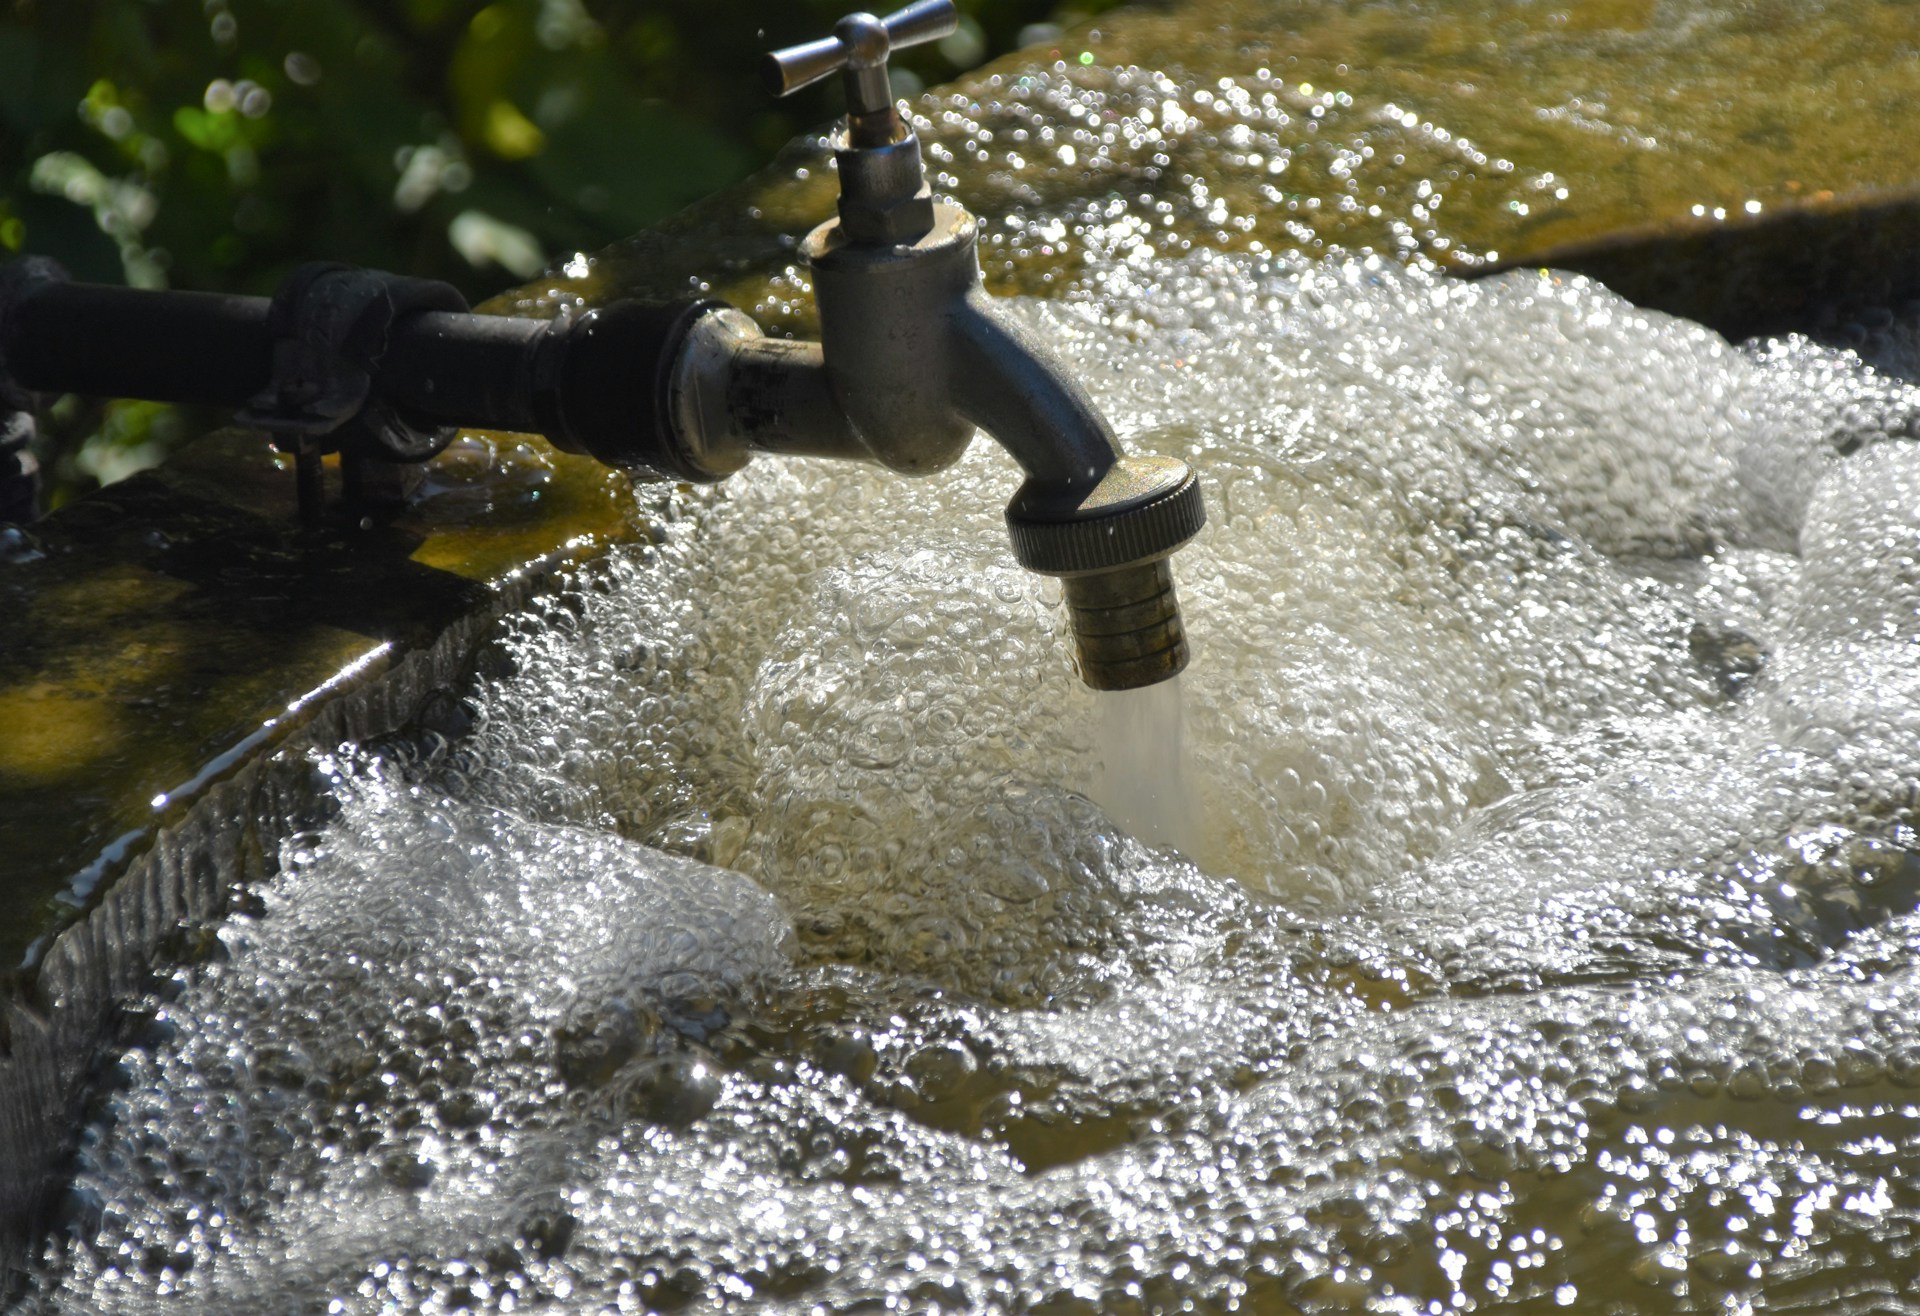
(50, 1042)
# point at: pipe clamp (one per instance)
(330, 326)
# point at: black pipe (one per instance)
(598, 383)
(102, 341)
(478, 371)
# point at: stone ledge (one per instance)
(61, 1014)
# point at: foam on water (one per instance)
(1547, 935)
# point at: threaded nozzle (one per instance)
(1126, 626)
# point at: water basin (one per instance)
(1548, 935)
(773, 926)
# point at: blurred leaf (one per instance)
(209, 132)
(511, 134)
(133, 436)
(122, 208)
(484, 240)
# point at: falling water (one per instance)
(1142, 778)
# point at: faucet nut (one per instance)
(898, 223)
(1143, 508)
(884, 197)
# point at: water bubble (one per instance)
(1551, 748)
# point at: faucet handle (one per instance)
(859, 47)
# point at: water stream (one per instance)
(1538, 932)
(1142, 781)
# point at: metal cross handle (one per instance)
(859, 48)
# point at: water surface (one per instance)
(1546, 937)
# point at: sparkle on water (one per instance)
(1546, 936)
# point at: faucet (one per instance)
(913, 358)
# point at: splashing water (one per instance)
(1142, 778)
(1546, 935)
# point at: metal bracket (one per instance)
(19, 469)
(331, 324)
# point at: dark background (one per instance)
(214, 144)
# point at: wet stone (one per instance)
(1688, 156)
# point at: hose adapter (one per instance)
(1109, 544)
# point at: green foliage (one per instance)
(215, 144)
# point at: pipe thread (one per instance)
(1126, 626)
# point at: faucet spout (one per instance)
(1104, 522)
(913, 358)
(1009, 384)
